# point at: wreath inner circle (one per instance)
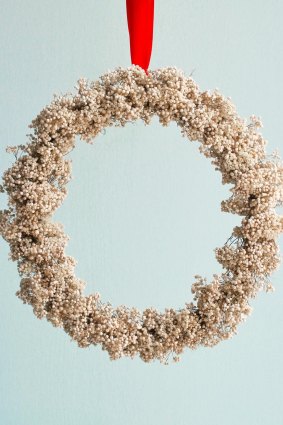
(36, 187)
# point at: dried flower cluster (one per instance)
(36, 186)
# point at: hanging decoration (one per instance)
(36, 185)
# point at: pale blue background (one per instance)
(143, 213)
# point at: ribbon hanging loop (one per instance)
(140, 15)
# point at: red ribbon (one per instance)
(140, 15)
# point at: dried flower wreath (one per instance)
(36, 187)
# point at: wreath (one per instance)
(36, 185)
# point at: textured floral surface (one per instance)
(36, 187)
